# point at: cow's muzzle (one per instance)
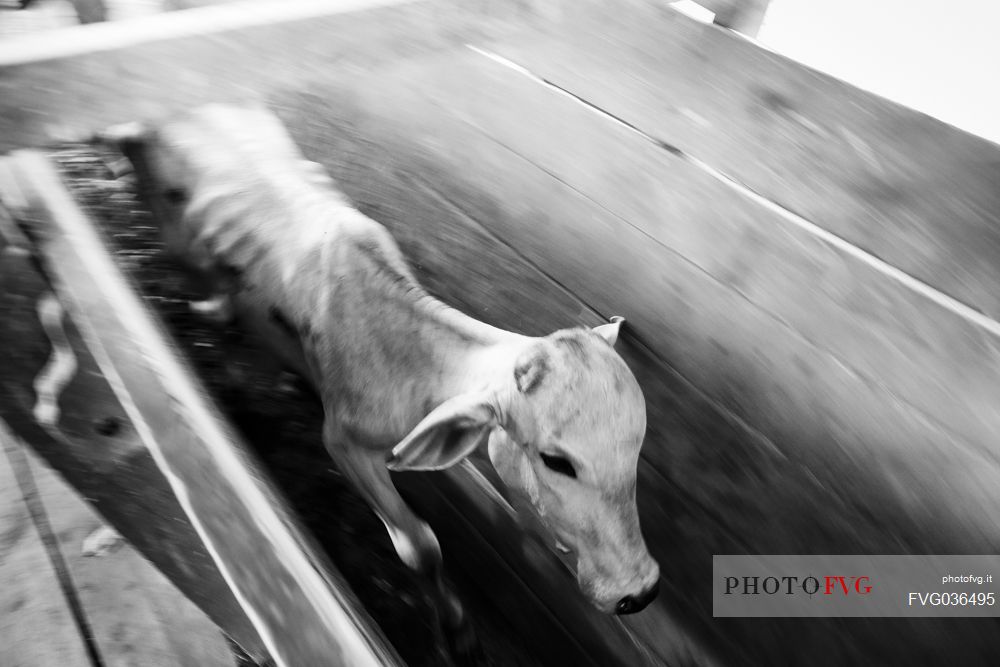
(631, 604)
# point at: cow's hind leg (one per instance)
(411, 537)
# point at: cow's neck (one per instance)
(469, 355)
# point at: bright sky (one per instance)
(939, 57)
(942, 58)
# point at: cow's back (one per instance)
(325, 286)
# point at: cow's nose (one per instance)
(631, 604)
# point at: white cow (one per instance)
(407, 383)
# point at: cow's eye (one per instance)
(175, 196)
(559, 464)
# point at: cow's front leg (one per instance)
(412, 538)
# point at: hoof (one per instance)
(453, 614)
(102, 541)
(464, 645)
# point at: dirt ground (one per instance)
(279, 420)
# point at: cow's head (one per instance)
(564, 424)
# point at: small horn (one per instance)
(610, 331)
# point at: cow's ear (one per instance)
(609, 332)
(452, 431)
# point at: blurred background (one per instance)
(925, 54)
